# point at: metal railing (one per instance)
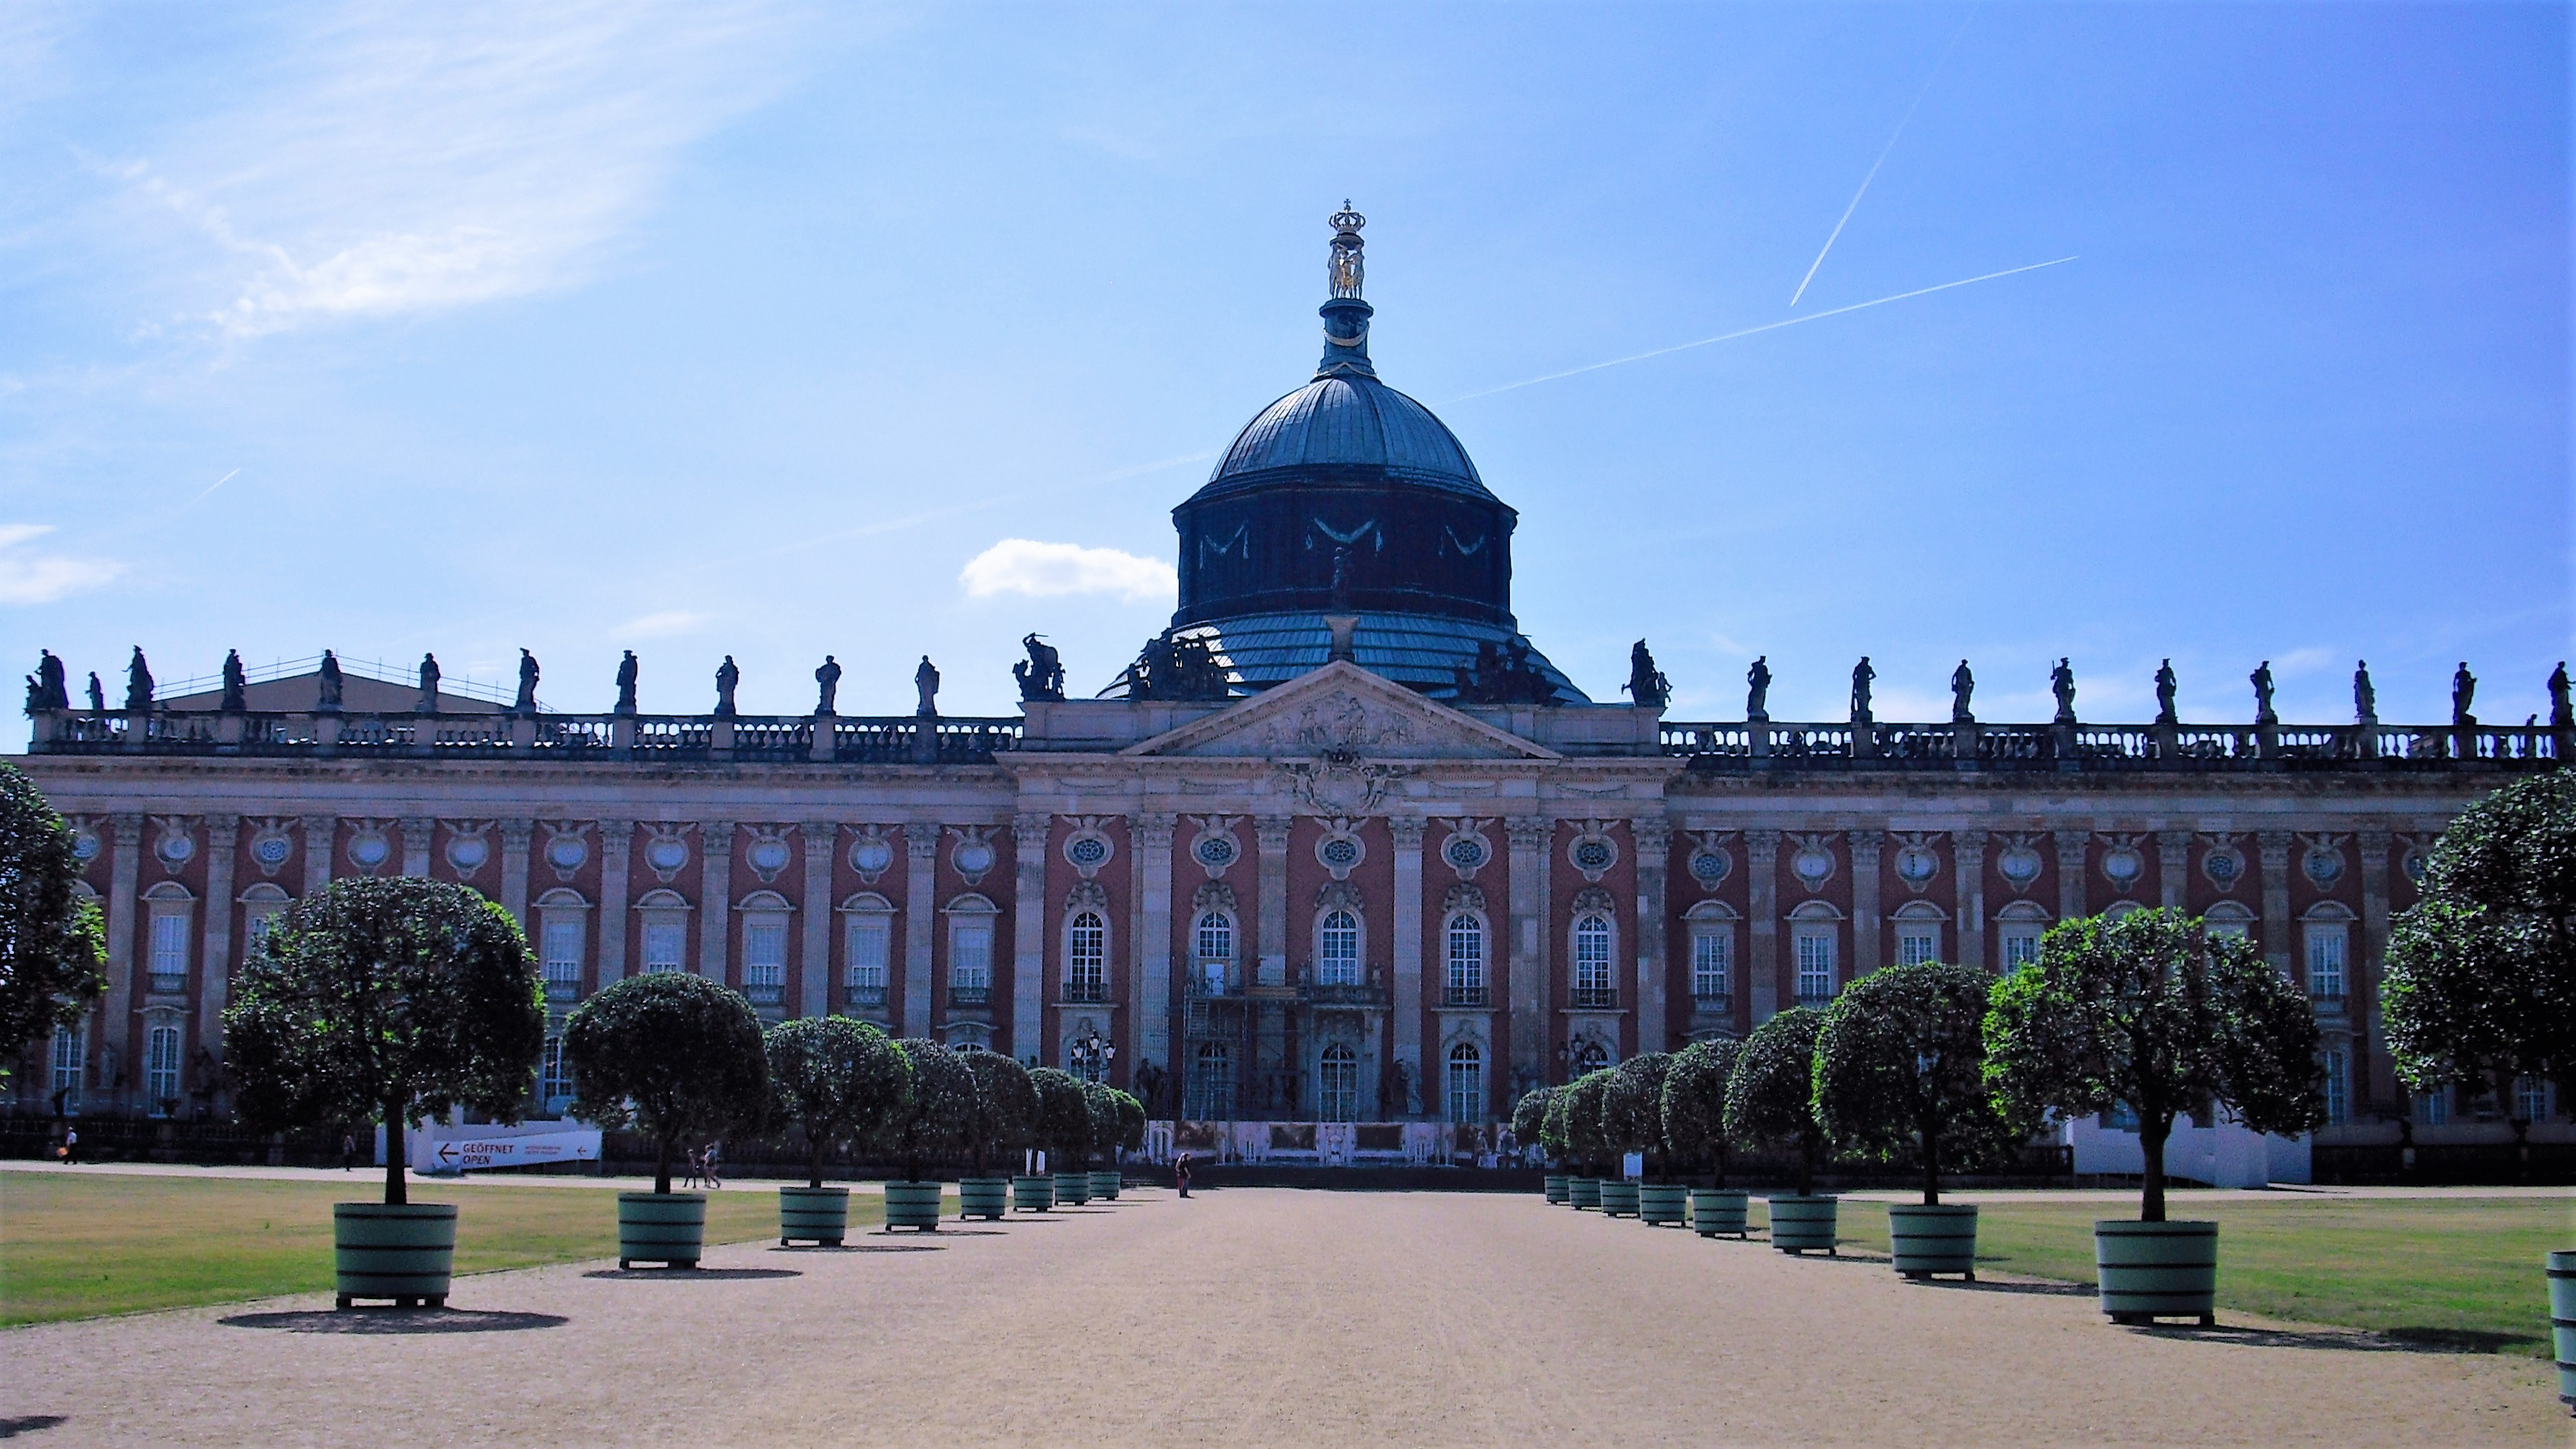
(817, 739)
(1973, 745)
(1593, 998)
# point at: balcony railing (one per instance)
(870, 993)
(970, 995)
(1463, 996)
(1715, 1004)
(765, 993)
(1085, 991)
(562, 988)
(813, 739)
(167, 983)
(1594, 998)
(1780, 744)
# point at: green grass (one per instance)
(2461, 1273)
(78, 1245)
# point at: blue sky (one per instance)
(747, 328)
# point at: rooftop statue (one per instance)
(1862, 674)
(2165, 685)
(236, 683)
(2464, 692)
(429, 677)
(1962, 685)
(1348, 272)
(49, 680)
(1041, 675)
(925, 682)
(1758, 692)
(1647, 687)
(2061, 682)
(328, 679)
(626, 672)
(727, 676)
(2264, 715)
(2561, 716)
(526, 703)
(138, 683)
(2365, 699)
(829, 678)
(97, 695)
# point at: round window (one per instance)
(370, 850)
(1466, 852)
(2224, 866)
(566, 852)
(2020, 865)
(1216, 852)
(468, 852)
(1087, 850)
(2414, 867)
(1341, 852)
(85, 846)
(1915, 864)
(1593, 855)
(1708, 867)
(175, 849)
(267, 850)
(974, 857)
(769, 855)
(667, 852)
(1813, 864)
(872, 854)
(2123, 866)
(2325, 867)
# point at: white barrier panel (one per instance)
(436, 1151)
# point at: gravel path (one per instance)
(1258, 1318)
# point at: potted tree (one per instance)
(1770, 1099)
(1004, 1123)
(678, 1058)
(1901, 1068)
(933, 1126)
(1126, 1133)
(2154, 1013)
(389, 1001)
(1556, 1138)
(1529, 1125)
(1064, 1130)
(53, 939)
(1633, 1112)
(1694, 1120)
(1583, 1137)
(839, 1079)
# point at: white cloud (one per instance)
(1026, 566)
(660, 626)
(400, 159)
(33, 578)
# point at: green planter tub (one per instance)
(983, 1197)
(1662, 1202)
(1104, 1186)
(813, 1215)
(1554, 1186)
(1716, 1210)
(1585, 1191)
(1928, 1240)
(402, 1251)
(1803, 1224)
(912, 1205)
(2562, 1322)
(1073, 1189)
(1033, 1194)
(669, 1228)
(1618, 1198)
(2157, 1270)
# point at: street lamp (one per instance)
(1091, 1056)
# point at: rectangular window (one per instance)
(1466, 961)
(764, 958)
(170, 951)
(161, 1070)
(2325, 963)
(2021, 947)
(1815, 966)
(666, 942)
(2534, 1099)
(2338, 1086)
(562, 938)
(1712, 963)
(970, 962)
(1917, 945)
(1594, 983)
(71, 1062)
(871, 940)
(555, 1082)
(2433, 1108)
(261, 923)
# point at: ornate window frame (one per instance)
(866, 914)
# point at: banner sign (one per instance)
(445, 1154)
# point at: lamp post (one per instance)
(1091, 1056)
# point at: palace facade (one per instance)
(1339, 846)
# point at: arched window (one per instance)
(1466, 960)
(2327, 934)
(1589, 1056)
(161, 1070)
(666, 932)
(2228, 918)
(1918, 933)
(262, 904)
(764, 947)
(1086, 957)
(867, 948)
(1338, 1085)
(1815, 936)
(172, 913)
(562, 934)
(1466, 1083)
(971, 919)
(1213, 945)
(1211, 1088)
(1594, 984)
(2018, 928)
(1337, 949)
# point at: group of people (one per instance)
(702, 1166)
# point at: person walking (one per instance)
(1181, 1173)
(71, 1145)
(348, 1152)
(713, 1150)
(697, 1168)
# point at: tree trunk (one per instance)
(814, 1141)
(2153, 1129)
(1807, 1166)
(662, 1163)
(1931, 1134)
(396, 1188)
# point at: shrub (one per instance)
(1556, 1129)
(1632, 1109)
(1101, 1102)
(2153, 1012)
(1064, 1118)
(1529, 1119)
(1131, 1123)
(1901, 1065)
(1005, 1118)
(676, 1056)
(1694, 1105)
(1770, 1099)
(386, 1000)
(52, 943)
(934, 1126)
(838, 1078)
(1585, 1132)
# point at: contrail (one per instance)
(1883, 154)
(1765, 327)
(211, 487)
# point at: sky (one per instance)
(778, 330)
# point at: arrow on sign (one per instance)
(446, 1153)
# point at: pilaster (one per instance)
(1762, 923)
(1866, 846)
(1029, 834)
(2273, 849)
(715, 899)
(1529, 839)
(920, 919)
(1412, 1016)
(2072, 846)
(1654, 853)
(2373, 845)
(125, 872)
(415, 845)
(1149, 1027)
(322, 833)
(1968, 860)
(515, 835)
(616, 861)
(1272, 833)
(2173, 869)
(820, 840)
(223, 838)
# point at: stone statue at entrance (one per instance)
(627, 669)
(2464, 692)
(1962, 685)
(925, 682)
(829, 678)
(1041, 675)
(2264, 715)
(138, 683)
(727, 676)
(1862, 674)
(428, 702)
(527, 700)
(2365, 699)
(2166, 684)
(331, 683)
(1757, 694)
(2061, 682)
(1647, 687)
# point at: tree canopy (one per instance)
(1632, 1108)
(2481, 981)
(1064, 1117)
(1131, 1122)
(52, 944)
(1901, 1066)
(1586, 1134)
(1005, 1118)
(937, 1122)
(390, 1001)
(2153, 1012)
(674, 1055)
(1694, 1104)
(1771, 1097)
(1529, 1117)
(1556, 1128)
(838, 1078)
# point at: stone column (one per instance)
(1865, 848)
(616, 862)
(416, 837)
(715, 898)
(1762, 924)
(322, 832)
(2071, 847)
(514, 867)
(125, 871)
(821, 839)
(2378, 1072)
(1410, 1012)
(1968, 859)
(1272, 833)
(2273, 848)
(2173, 869)
(1149, 1027)
(1029, 835)
(1654, 855)
(223, 837)
(920, 919)
(1528, 997)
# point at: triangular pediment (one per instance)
(1341, 709)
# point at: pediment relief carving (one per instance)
(1341, 712)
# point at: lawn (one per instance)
(2460, 1273)
(76, 1245)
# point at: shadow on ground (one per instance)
(28, 1424)
(395, 1320)
(690, 1275)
